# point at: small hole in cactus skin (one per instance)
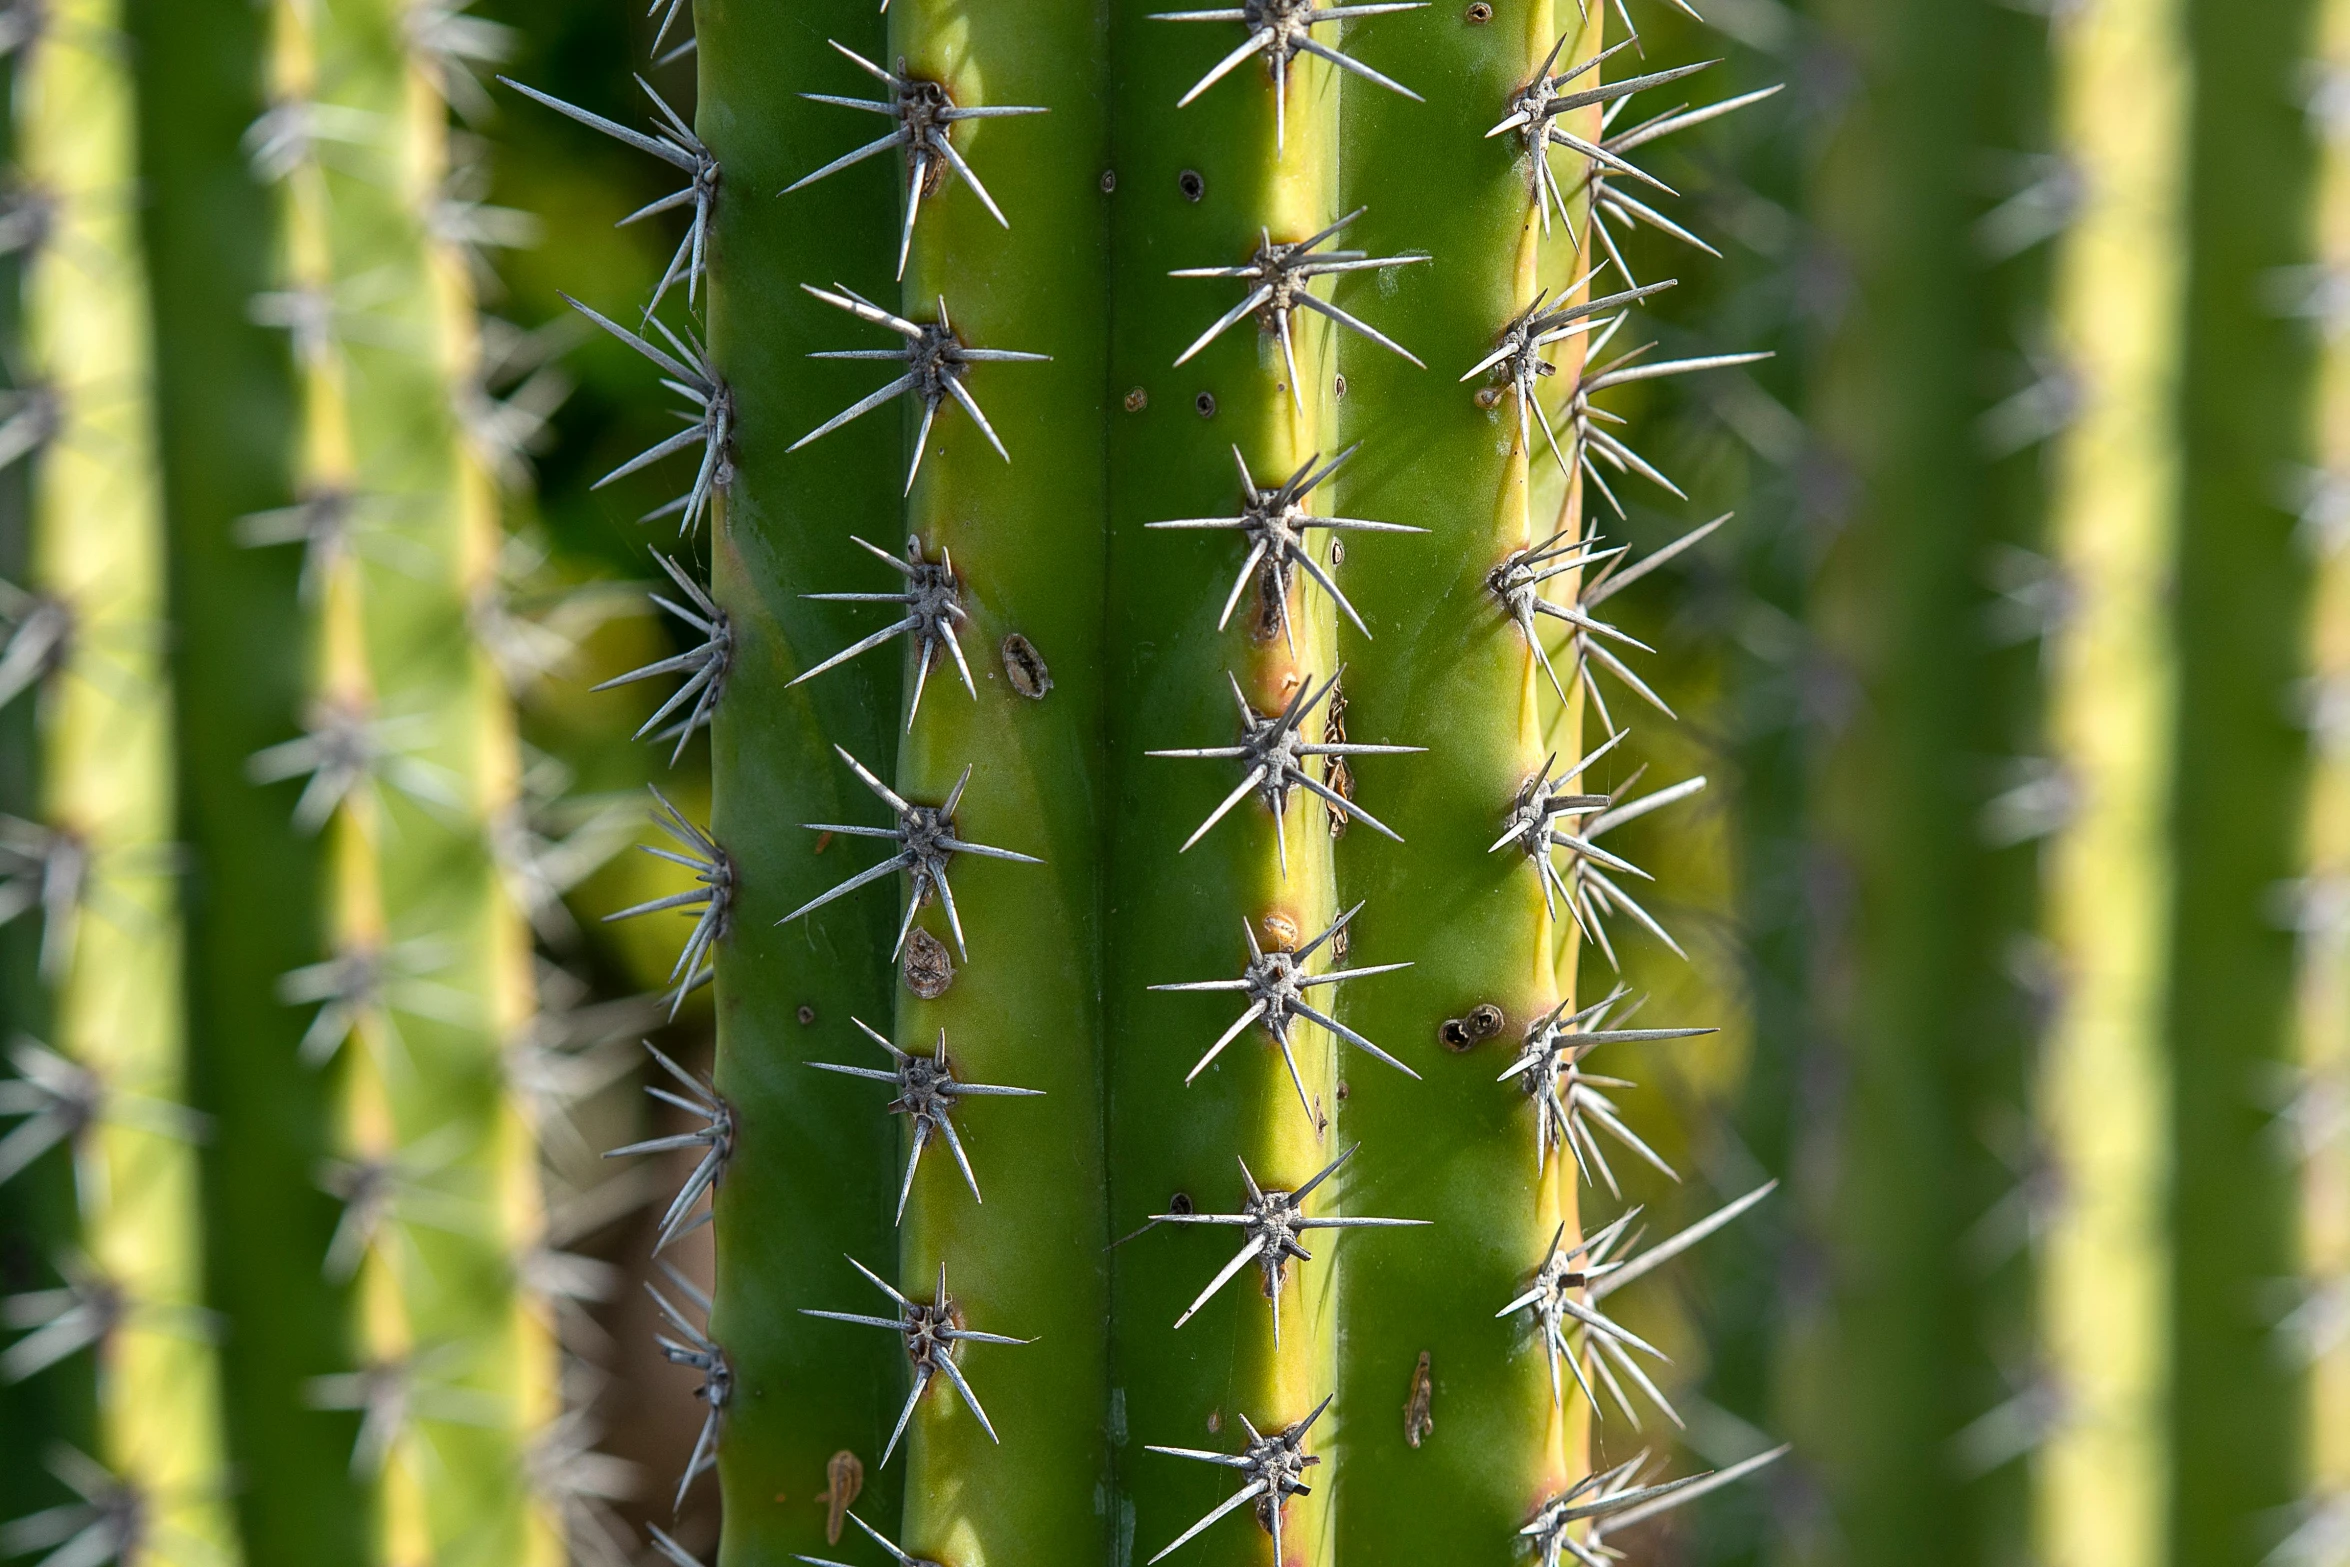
(1206, 404)
(1179, 1203)
(1479, 14)
(1489, 397)
(1192, 186)
(1109, 181)
(1481, 1023)
(1024, 667)
(1342, 1090)
(1137, 400)
(807, 1014)
(1338, 386)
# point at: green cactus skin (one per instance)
(1024, 1009)
(813, 1177)
(1922, 1018)
(112, 943)
(253, 891)
(2324, 1016)
(1199, 186)
(2104, 1478)
(1448, 668)
(2241, 590)
(410, 869)
(1055, 993)
(36, 1206)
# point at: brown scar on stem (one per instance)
(844, 1477)
(1417, 1420)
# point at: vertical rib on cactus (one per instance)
(408, 756)
(2322, 1141)
(1023, 531)
(813, 1175)
(102, 857)
(252, 883)
(1447, 664)
(2235, 601)
(1918, 1014)
(1495, 1144)
(36, 1202)
(1203, 186)
(2105, 1088)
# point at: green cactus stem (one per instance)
(1219, 1094)
(36, 1201)
(97, 868)
(2236, 603)
(1124, 763)
(1449, 661)
(406, 764)
(2105, 1089)
(2324, 1000)
(812, 1177)
(253, 888)
(1909, 1410)
(1007, 725)
(1468, 1380)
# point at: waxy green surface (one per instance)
(1200, 186)
(227, 419)
(814, 1171)
(1024, 1008)
(1447, 669)
(1898, 1358)
(2239, 615)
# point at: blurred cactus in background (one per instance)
(1486, 625)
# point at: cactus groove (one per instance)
(1117, 448)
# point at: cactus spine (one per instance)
(2105, 1088)
(1184, 775)
(113, 1080)
(405, 764)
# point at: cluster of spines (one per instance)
(1275, 753)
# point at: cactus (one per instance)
(2175, 993)
(2105, 1086)
(110, 1085)
(2324, 977)
(360, 744)
(2240, 594)
(36, 1203)
(1143, 696)
(1914, 1386)
(253, 887)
